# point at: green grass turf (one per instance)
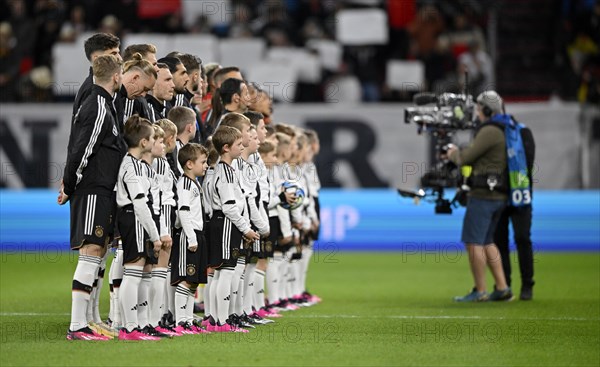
(377, 309)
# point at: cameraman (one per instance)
(487, 199)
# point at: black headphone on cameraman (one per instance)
(487, 112)
(485, 109)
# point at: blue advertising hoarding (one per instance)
(352, 220)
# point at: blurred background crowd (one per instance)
(525, 49)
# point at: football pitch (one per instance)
(378, 309)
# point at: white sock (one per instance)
(144, 299)
(157, 295)
(249, 279)
(296, 285)
(207, 299)
(291, 279)
(83, 279)
(305, 261)
(128, 294)
(116, 270)
(238, 308)
(259, 289)
(170, 293)
(89, 312)
(273, 278)
(224, 294)
(235, 286)
(284, 277)
(214, 304)
(199, 295)
(189, 311)
(111, 304)
(112, 293)
(100, 282)
(182, 293)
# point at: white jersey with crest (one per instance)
(135, 186)
(228, 197)
(189, 207)
(248, 175)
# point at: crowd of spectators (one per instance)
(579, 50)
(449, 37)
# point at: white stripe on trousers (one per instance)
(182, 253)
(139, 232)
(167, 214)
(90, 213)
(226, 246)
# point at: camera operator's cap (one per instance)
(492, 100)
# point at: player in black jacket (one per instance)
(97, 45)
(180, 79)
(162, 93)
(139, 77)
(193, 65)
(138, 105)
(95, 152)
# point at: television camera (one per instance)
(441, 116)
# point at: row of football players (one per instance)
(137, 290)
(234, 273)
(88, 173)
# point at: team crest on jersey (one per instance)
(99, 232)
(191, 270)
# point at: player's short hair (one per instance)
(174, 54)
(190, 152)
(211, 69)
(301, 139)
(254, 117)
(181, 116)
(236, 120)
(270, 130)
(228, 88)
(266, 147)
(312, 136)
(158, 131)
(171, 62)
(285, 129)
(219, 75)
(283, 140)
(213, 155)
(141, 48)
(136, 129)
(202, 72)
(105, 66)
(225, 135)
(137, 62)
(168, 127)
(100, 42)
(191, 62)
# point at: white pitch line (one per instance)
(411, 317)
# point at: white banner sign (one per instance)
(365, 145)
